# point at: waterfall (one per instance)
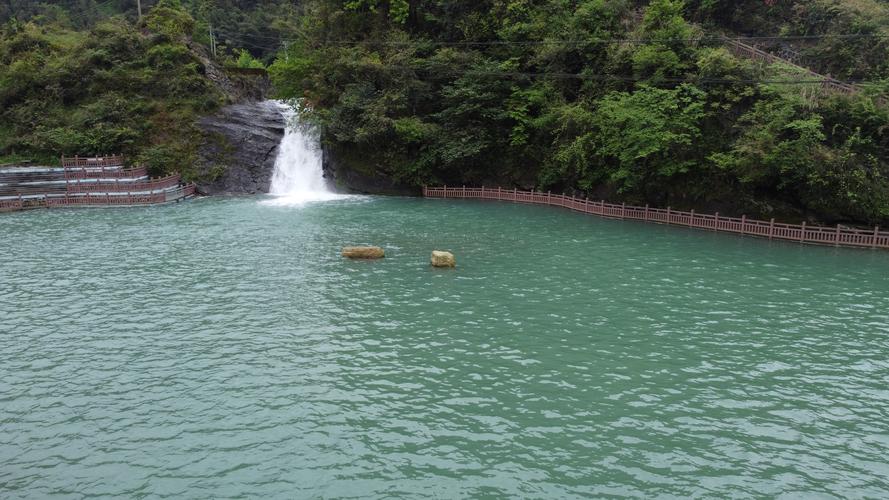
(298, 176)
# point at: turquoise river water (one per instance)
(223, 348)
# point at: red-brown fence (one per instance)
(92, 181)
(838, 236)
(92, 161)
(74, 173)
(101, 187)
(104, 199)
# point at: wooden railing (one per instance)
(92, 161)
(101, 187)
(68, 187)
(104, 199)
(837, 236)
(74, 173)
(749, 51)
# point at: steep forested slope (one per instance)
(608, 97)
(622, 99)
(97, 83)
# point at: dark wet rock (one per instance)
(239, 148)
(346, 175)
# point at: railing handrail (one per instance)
(81, 173)
(118, 198)
(114, 160)
(837, 235)
(757, 52)
(144, 185)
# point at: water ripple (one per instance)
(223, 348)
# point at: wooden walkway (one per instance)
(834, 236)
(87, 182)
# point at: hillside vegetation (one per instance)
(617, 99)
(93, 80)
(112, 88)
(544, 95)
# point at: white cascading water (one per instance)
(298, 177)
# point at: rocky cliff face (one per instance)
(345, 176)
(239, 148)
(237, 155)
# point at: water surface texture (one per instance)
(223, 348)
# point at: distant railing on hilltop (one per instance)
(93, 161)
(837, 236)
(740, 48)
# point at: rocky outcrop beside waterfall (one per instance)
(238, 152)
(347, 175)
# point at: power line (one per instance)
(595, 41)
(629, 79)
(589, 76)
(592, 77)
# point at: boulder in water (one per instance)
(443, 259)
(363, 252)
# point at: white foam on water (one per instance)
(298, 177)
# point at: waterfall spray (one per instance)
(298, 176)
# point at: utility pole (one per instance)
(139, 8)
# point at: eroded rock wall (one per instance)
(239, 148)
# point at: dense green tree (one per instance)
(614, 98)
(540, 93)
(111, 89)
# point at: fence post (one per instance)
(549, 195)
(499, 193)
(744, 224)
(716, 222)
(623, 210)
(771, 227)
(515, 194)
(692, 221)
(836, 237)
(668, 215)
(646, 212)
(802, 233)
(873, 243)
(464, 191)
